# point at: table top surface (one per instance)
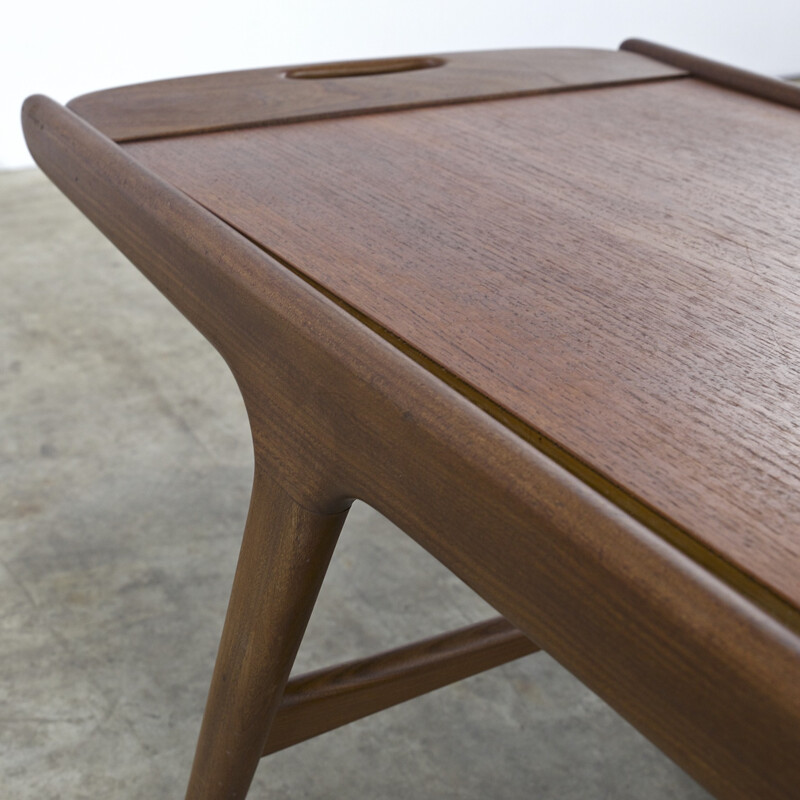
(611, 271)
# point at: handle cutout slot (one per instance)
(355, 69)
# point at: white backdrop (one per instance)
(67, 48)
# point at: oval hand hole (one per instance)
(354, 69)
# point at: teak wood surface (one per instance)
(552, 336)
(617, 269)
(274, 96)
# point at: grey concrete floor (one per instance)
(125, 468)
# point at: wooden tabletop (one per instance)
(538, 307)
(615, 268)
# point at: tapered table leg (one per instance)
(283, 559)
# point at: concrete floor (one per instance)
(124, 477)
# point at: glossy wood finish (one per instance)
(340, 409)
(268, 97)
(616, 269)
(778, 91)
(329, 698)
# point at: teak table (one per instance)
(539, 308)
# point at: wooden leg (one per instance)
(284, 556)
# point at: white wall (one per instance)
(63, 48)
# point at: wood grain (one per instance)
(774, 89)
(284, 556)
(328, 698)
(337, 411)
(267, 96)
(617, 269)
